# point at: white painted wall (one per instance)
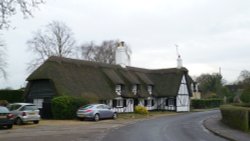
(129, 106)
(183, 99)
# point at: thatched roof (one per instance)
(98, 80)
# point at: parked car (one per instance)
(96, 112)
(6, 118)
(24, 112)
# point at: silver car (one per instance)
(24, 112)
(96, 112)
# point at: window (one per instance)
(38, 103)
(119, 103)
(118, 89)
(171, 102)
(149, 102)
(150, 89)
(134, 89)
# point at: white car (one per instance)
(24, 112)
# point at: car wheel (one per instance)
(81, 119)
(115, 116)
(96, 117)
(9, 126)
(36, 121)
(19, 121)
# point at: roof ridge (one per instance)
(81, 62)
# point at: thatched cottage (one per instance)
(120, 86)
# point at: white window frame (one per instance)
(134, 89)
(118, 89)
(171, 102)
(119, 102)
(38, 103)
(150, 89)
(149, 102)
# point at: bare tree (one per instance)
(101, 53)
(9, 8)
(3, 63)
(55, 40)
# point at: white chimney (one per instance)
(179, 62)
(121, 55)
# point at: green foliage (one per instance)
(12, 95)
(65, 107)
(242, 104)
(210, 82)
(206, 103)
(235, 116)
(245, 96)
(141, 110)
(3, 102)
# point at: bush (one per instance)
(206, 103)
(141, 110)
(245, 96)
(65, 107)
(3, 102)
(235, 116)
(12, 95)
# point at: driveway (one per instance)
(61, 130)
(68, 130)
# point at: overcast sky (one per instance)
(210, 33)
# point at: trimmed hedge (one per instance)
(206, 103)
(235, 117)
(12, 95)
(242, 104)
(65, 107)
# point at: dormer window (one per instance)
(118, 89)
(150, 89)
(134, 89)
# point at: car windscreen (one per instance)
(30, 107)
(4, 110)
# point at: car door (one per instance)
(103, 111)
(108, 111)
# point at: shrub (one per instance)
(245, 96)
(65, 107)
(12, 95)
(235, 116)
(141, 110)
(206, 103)
(3, 102)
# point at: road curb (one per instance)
(216, 132)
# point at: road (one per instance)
(184, 127)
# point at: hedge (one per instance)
(12, 95)
(65, 107)
(236, 117)
(205, 103)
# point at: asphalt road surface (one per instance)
(184, 127)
